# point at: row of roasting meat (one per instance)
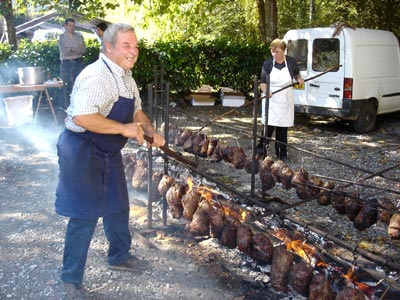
(218, 219)
(362, 212)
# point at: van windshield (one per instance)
(325, 54)
(298, 49)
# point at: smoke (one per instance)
(44, 140)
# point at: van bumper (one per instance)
(350, 109)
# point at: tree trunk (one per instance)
(273, 19)
(7, 11)
(261, 20)
(267, 19)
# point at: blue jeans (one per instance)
(77, 240)
(69, 70)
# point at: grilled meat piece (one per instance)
(229, 235)
(238, 158)
(183, 137)
(368, 215)
(217, 222)
(211, 147)
(350, 293)
(325, 196)
(174, 199)
(286, 177)
(190, 202)
(300, 276)
(139, 178)
(244, 238)
(282, 262)
(352, 205)
(188, 145)
(320, 288)
(204, 147)
(312, 189)
(394, 227)
(299, 180)
(337, 202)
(385, 210)
(165, 183)
(216, 156)
(276, 170)
(266, 178)
(197, 143)
(248, 165)
(201, 219)
(262, 248)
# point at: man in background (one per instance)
(72, 47)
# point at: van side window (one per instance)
(298, 49)
(325, 54)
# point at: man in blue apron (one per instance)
(282, 70)
(105, 111)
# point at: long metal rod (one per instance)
(166, 131)
(254, 140)
(150, 168)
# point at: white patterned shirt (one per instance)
(97, 88)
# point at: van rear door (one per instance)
(315, 51)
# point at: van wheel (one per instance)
(366, 121)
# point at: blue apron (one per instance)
(92, 180)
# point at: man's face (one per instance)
(70, 27)
(99, 32)
(125, 52)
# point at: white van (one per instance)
(367, 83)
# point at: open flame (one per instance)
(350, 276)
(190, 183)
(302, 249)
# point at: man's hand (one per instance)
(134, 131)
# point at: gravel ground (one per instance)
(31, 234)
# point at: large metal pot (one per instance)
(31, 75)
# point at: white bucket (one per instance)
(19, 109)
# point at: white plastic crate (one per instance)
(19, 109)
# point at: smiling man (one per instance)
(105, 111)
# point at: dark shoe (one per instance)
(74, 291)
(131, 265)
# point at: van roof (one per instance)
(359, 35)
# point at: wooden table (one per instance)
(42, 88)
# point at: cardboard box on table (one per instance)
(232, 99)
(201, 99)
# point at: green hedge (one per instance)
(185, 65)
